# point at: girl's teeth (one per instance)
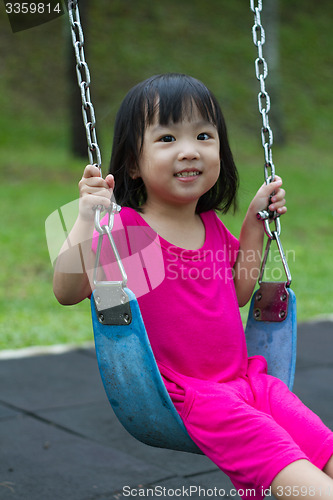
(187, 174)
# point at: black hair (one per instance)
(172, 96)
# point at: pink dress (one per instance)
(244, 420)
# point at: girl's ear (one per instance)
(134, 172)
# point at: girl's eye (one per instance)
(203, 137)
(167, 138)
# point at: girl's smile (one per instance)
(187, 175)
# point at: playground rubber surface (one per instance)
(60, 440)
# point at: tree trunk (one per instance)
(271, 52)
(78, 139)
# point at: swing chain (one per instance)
(264, 104)
(83, 77)
(94, 154)
(88, 111)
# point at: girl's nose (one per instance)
(188, 151)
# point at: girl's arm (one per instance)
(247, 265)
(71, 287)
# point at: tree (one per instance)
(78, 145)
(270, 20)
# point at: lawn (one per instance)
(39, 175)
(30, 315)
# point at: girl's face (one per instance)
(179, 162)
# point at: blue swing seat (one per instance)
(135, 387)
(133, 383)
(275, 340)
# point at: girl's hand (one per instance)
(247, 268)
(263, 198)
(94, 191)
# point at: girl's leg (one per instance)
(328, 469)
(304, 480)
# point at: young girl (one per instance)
(171, 169)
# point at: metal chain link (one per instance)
(83, 78)
(264, 104)
(261, 69)
(88, 112)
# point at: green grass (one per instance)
(126, 44)
(30, 315)
(307, 227)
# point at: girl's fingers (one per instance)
(90, 204)
(93, 184)
(109, 179)
(91, 171)
(278, 196)
(277, 179)
(91, 178)
(94, 181)
(280, 210)
(100, 191)
(94, 191)
(271, 195)
(279, 202)
(281, 207)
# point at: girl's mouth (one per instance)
(188, 173)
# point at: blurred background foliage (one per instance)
(125, 42)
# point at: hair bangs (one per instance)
(174, 98)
